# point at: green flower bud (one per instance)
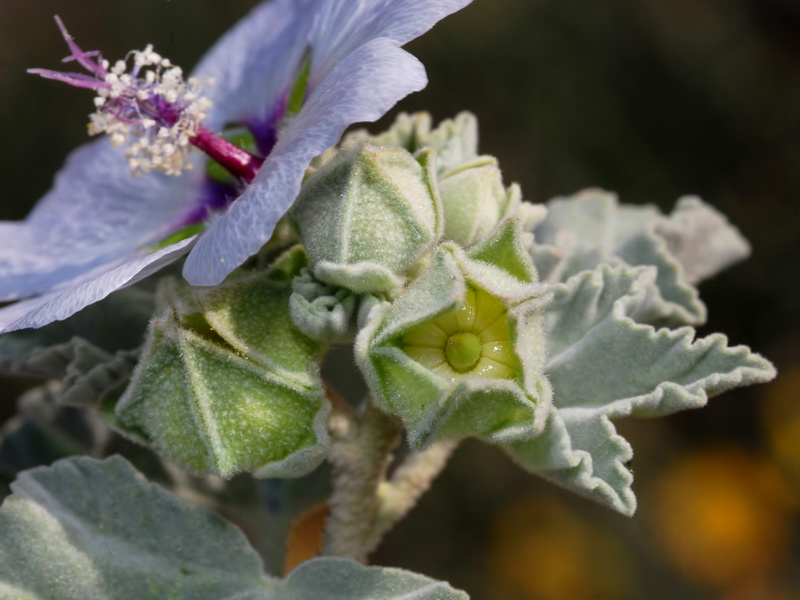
(454, 140)
(370, 217)
(322, 312)
(473, 197)
(325, 312)
(461, 351)
(226, 383)
(475, 201)
(409, 131)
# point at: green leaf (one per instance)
(604, 365)
(88, 373)
(116, 323)
(45, 430)
(701, 239)
(96, 530)
(93, 352)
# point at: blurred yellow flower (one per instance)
(780, 417)
(541, 550)
(722, 517)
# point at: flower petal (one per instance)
(341, 27)
(86, 290)
(95, 215)
(362, 87)
(254, 63)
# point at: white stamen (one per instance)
(132, 110)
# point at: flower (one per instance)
(461, 351)
(99, 229)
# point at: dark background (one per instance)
(652, 99)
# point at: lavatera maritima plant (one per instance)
(468, 313)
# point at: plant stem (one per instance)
(365, 505)
(409, 481)
(360, 454)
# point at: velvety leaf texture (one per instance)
(45, 430)
(340, 579)
(93, 353)
(604, 365)
(691, 244)
(96, 530)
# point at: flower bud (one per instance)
(369, 218)
(323, 312)
(475, 200)
(226, 383)
(454, 140)
(472, 197)
(461, 351)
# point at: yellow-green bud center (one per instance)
(474, 339)
(463, 350)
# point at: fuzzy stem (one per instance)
(360, 454)
(409, 481)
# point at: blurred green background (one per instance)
(652, 99)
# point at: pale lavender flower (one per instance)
(100, 229)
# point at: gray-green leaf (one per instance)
(604, 365)
(85, 529)
(93, 352)
(340, 579)
(96, 530)
(691, 244)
